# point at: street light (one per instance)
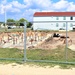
(5, 16)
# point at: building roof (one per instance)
(54, 14)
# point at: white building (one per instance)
(53, 20)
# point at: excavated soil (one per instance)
(55, 42)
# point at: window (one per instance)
(71, 25)
(57, 24)
(63, 24)
(57, 18)
(71, 18)
(64, 18)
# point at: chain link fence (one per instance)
(12, 41)
(51, 44)
(40, 43)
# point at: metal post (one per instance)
(5, 15)
(25, 41)
(66, 42)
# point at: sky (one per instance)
(16, 9)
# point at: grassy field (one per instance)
(14, 30)
(10, 53)
(38, 54)
(57, 54)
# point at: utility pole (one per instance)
(25, 58)
(5, 15)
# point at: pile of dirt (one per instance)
(52, 43)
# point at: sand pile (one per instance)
(52, 43)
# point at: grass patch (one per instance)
(39, 54)
(57, 54)
(14, 30)
(10, 53)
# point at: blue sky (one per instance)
(16, 9)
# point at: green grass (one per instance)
(14, 30)
(57, 54)
(38, 54)
(10, 53)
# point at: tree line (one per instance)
(19, 22)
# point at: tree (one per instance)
(17, 23)
(29, 24)
(23, 20)
(10, 20)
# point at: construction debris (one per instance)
(34, 39)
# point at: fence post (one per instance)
(66, 43)
(25, 41)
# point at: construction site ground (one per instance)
(40, 40)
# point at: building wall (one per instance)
(51, 18)
(45, 23)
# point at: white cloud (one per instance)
(71, 7)
(28, 7)
(28, 14)
(15, 10)
(2, 9)
(4, 1)
(17, 4)
(62, 4)
(48, 10)
(48, 6)
(9, 8)
(44, 4)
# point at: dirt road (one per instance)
(33, 70)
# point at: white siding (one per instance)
(45, 23)
(52, 19)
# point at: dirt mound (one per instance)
(52, 43)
